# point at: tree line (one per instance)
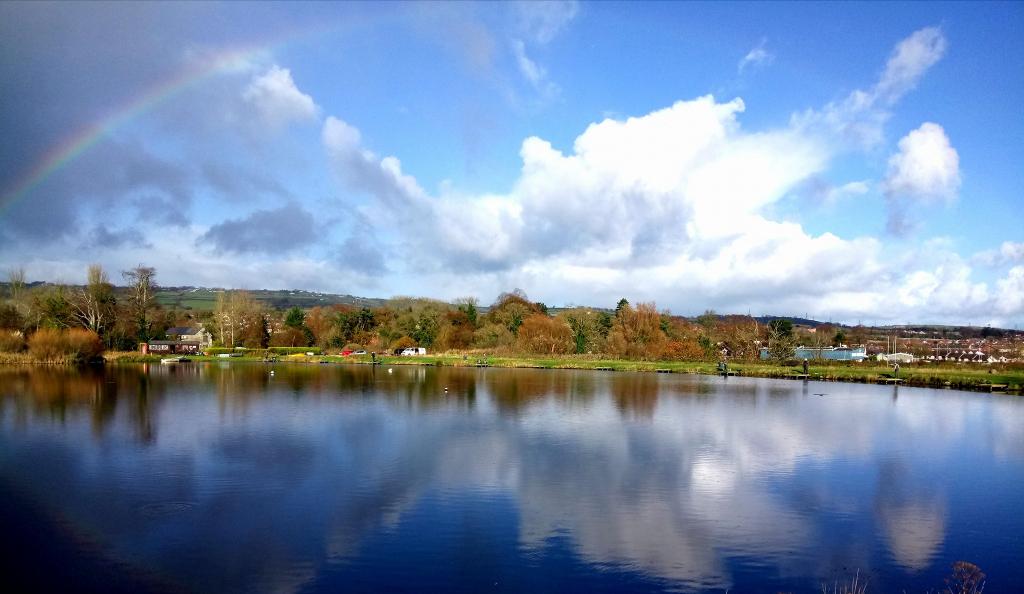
(122, 317)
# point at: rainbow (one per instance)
(88, 136)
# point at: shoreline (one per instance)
(987, 380)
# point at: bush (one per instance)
(46, 345)
(11, 342)
(60, 346)
(83, 345)
(539, 334)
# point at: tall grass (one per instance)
(65, 346)
(854, 586)
(11, 342)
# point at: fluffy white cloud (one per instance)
(926, 167)
(277, 100)
(676, 205)
(1010, 293)
(925, 170)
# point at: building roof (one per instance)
(173, 342)
(184, 330)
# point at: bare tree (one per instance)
(93, 305)
(141, 296)
(16, 283)
(781, 341)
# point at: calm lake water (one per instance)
(223, 478)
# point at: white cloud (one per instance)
(364, 170)
(534, 73)
(543, 21)
(757, 56)
(859, 118)
(925, 170)
(847, 190)
(675, 205)
(1009, 252)
(1010, 293)
(926, 167)
(277, 100)
(908, 63)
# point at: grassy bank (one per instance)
(958, 377)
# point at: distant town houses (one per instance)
(902, 358)
(839, 353)
(969, 357)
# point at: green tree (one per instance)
(782, 327)
(295, 318)
(51, 308)
(604, 323)
(467, 305)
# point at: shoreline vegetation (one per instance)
(958, 378)
(98, 322)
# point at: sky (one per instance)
(848, 162)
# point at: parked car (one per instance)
(359, 352)
(413, 351)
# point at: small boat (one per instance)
(169, 360)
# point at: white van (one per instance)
(413, 351)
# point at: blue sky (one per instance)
(854, 162)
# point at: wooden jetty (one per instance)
(799, 376)
(890, 380)
(994, 387)
(728, 373)
(603, 369)
(663, 370)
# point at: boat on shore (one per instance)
(169, 360)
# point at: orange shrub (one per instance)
(11, 342)
(56, 345)
(540, 334)
(46, 345)
(683, 350)
(82, 344)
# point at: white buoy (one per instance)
(271, 372)
(389, 370)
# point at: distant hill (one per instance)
(202, 298)
(796, 321)
(205, 298)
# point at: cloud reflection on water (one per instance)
(685, 479)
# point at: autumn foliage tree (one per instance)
(637, 332)
(540, 334)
